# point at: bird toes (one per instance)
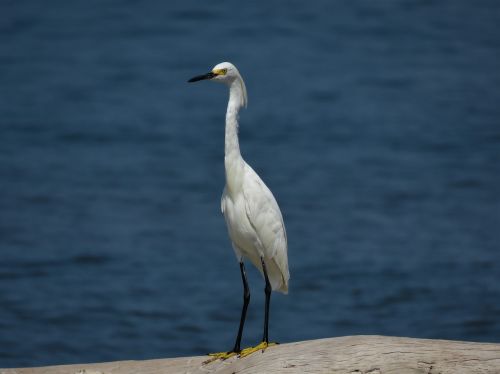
(260, 347)
(220, 356)
(243, 353)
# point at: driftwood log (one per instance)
(346, 355)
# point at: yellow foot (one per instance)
(261, 347)
(219, 356)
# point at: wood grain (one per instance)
(346, 355)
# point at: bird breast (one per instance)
(240, 229)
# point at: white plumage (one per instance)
(252, 215)
(253, 218)
(255, 224)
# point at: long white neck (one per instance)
(233, 161)
(232, 146)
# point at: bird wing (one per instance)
(222, 205)
(265, 217)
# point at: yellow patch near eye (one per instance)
(220, 71)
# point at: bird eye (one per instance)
(220, 71)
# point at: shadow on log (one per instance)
(346, 355)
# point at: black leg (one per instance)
(246, 301)
(267, 290)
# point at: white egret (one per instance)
(253, 218)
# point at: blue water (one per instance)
(376, 125)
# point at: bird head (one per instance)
(225, 72)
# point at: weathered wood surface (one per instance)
(346, 355)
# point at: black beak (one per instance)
(202, 77)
